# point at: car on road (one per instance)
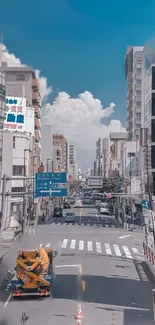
(70, 217)
(104, 210)
(58, 212)
(98, 203)
(78, 204)
(67, 205)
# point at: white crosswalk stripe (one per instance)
(108, 250)
(104, 225)
(90, 246)
(64, 243)
(100, 248)
(73, 243)
(127, 252)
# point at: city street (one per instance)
(117, 290)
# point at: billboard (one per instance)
(15, 114)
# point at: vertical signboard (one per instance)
(15, 114)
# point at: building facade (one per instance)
(47, 147)
(60, 153)
(133, 75)
(2, 113)
(116, 140)
(22, 82)
(72, 161)
(99, 153)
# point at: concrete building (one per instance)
(133, 75)
(130, 163)
(148, 120)
(47, 147)
(2, 113)
(72, 161)
(116, 140)
(60, 153)
(22, 82)
(99, 153)
(17, 162)
(106, 157)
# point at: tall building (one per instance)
(22, 82)
(133, 75)
(116, 140)
(72, 161)
(47, 147)
(148, 121)
(99, 153)
(60, 153)
(2, 113)
(106, 157)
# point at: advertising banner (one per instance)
(15, 114)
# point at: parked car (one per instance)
(70, 217)
(98, 203)
(78, 204)
(58, 212)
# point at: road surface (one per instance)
(117, 291)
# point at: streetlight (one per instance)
(48, 159)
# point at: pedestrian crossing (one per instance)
(99, 248)
(86, 224)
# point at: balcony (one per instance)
(37, 135)
(137, 99)
(138, 87)
(37, 111)
(129, 94)
(129, 116)
(37, 124)
(129, 85)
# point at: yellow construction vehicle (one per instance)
(34, 273)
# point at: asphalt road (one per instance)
(117, 291)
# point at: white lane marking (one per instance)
(89, 246)
(7, 301)
(127, 252)
(53, 223)
(64, 243)
(98, 247)
(58, 224)
(69, 265)
(72, 245)
(124, 236)
(117, 250)
(41, 245)
(135, 250)
(81, 245)
(107, 248)
(107, 226)
(48, 245)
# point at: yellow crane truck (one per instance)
(33, 273)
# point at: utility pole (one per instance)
(3, 202)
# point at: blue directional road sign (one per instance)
(51, 184)
(145, 204)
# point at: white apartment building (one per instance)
(18, 153)
(47, 147)
(130, 164)
(116, 140)
(133, 75)
(72, 161)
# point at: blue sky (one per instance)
(79, 44)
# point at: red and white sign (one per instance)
(109, 196)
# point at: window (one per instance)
(14, 142)
(153, 78)
(153, 104)
(138, 82)
(17, 189)
(139, 70)
(20, 77)
(153, 131)
(18, 170)
(138, 93)
(153, 157)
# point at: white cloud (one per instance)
(12, 60)
(79, 120)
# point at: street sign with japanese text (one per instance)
(51, 184)
(145, 204)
